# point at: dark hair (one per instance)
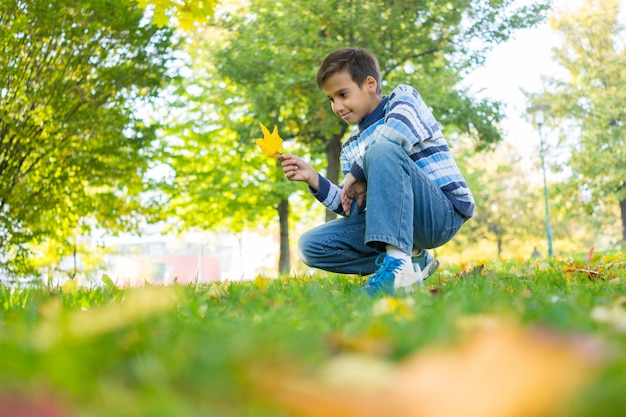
(359, 63)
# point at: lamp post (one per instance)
(538, 114)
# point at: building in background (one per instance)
(200, 257)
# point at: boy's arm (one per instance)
(337, 199)
(296, 169)
(327, 193)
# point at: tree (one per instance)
(506, 202)
(509, 220)
(74, 154)
(269, 53)
(593, 51)
(222, 179)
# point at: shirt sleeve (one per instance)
(328, 194)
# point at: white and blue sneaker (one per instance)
(393, 275)
(424, 263)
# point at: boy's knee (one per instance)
(382, 146)
(380, 154)
(381, 150)
(305, 244)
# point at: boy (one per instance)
(402, 192)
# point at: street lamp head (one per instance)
(537, 111)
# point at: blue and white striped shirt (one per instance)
(403, 118)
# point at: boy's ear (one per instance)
(371, 84)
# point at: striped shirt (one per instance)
(403, 118)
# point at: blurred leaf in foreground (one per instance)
(137, 304)
(501, 370)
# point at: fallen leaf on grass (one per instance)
(501, 370)
(271, 143)
(615, 260)
(70, 286)
(474, 272)
(603, 270)
(592, 274)
(261, 282)
(218, 290)
(108, 282)
(399, 308)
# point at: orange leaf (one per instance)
(501, 370)
(271, 143)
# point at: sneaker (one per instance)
(425, 263)
(392, 275)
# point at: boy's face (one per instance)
(347, 100)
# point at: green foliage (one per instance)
(191, 350)
(510, 217)
(222, 179)
(274, 49)
(592, 98)
(185, 13)
(74, 154)
(508, 211)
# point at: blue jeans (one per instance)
(404, 208)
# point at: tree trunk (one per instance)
(284, 259)
(333, 150)
(622, 205)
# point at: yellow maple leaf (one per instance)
(261, 282)
(399, 308)
(271, 143)
(70, 286)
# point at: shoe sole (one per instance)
(430, 269)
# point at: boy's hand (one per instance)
(353, 190)
(296, 169)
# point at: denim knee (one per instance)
(382, 151)
(305, 251)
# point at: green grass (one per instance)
(188, 350)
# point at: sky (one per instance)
(519, 64)
(516, 66)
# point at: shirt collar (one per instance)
(374, 116)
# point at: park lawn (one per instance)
(309, 346)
